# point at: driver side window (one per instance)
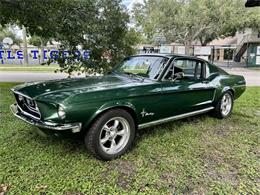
(192, 69)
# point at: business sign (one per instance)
(165, 49)
(252, 55)
(258, 60)
(180, 50)
(45, 54)
(258, 50)
(202, 51)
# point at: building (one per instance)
(242, 49)
(248, 47)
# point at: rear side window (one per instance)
(214, 69)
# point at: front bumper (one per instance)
(74, 127)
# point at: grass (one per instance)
(28, 68)
(192, 156)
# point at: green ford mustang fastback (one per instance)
(142, 91)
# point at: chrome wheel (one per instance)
(114, 135)
(226, 104)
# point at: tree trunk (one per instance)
(39, 56)
(187, 45)
(25, 50)
(42, 54)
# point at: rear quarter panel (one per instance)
(234, 83)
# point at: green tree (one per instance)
(146, 18)
(36, 41)
(40, 43)
(99, 26)
(190, 20)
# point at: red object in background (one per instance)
(252, 3)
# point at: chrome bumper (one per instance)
(74, 127)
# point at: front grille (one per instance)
(27, 106)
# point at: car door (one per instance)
(191, 93)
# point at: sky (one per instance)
(129, 3)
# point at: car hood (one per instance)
(61, 89)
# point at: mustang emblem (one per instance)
(144, 113)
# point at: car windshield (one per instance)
(145, 66)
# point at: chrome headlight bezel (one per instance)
(61, 112)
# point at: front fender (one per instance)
(110, 105)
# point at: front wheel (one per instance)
(111, 135)
(225, 105)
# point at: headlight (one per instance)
(20, 98)
(61, 112)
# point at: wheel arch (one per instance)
(220, 92)
(230, 89)
(105, 108)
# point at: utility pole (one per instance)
(25, 49)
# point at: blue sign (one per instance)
(53, 54)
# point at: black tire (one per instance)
(217, 112)
(93, 134)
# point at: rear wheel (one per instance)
(225, 105)
(111, 135)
